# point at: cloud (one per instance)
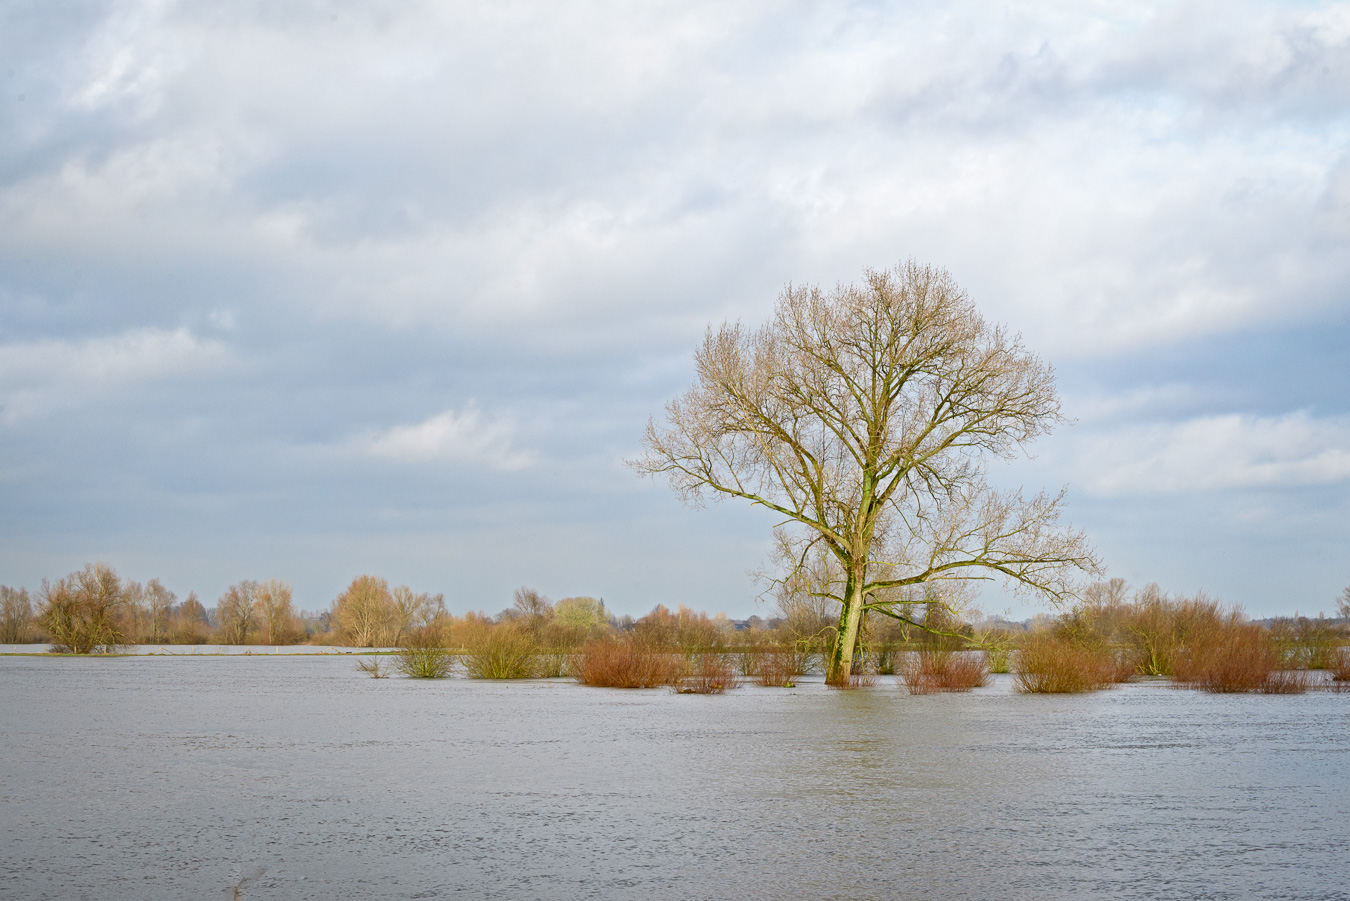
(464, 437)
(1215, 453)
(41, 378)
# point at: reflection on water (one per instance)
(164, 778)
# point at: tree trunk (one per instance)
(850, 623)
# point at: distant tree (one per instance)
(413, 611)
(366, 614)
(83, 612)
(236, 613)
(158, 602)
(275, 613)
(585, 612)
(531, 606)
(863, 417)
(190, 622)
(16, 615)
(1343, 603)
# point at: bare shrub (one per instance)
(1051, 663)
(1340, 665)
(936, 669)
(1301, 642)
(780, 665)
(1286, 682)
(625, 663)
(424, 654)
(853, 680)
(713, 674)
(1232, 657)
(502, 651)
(375, 667)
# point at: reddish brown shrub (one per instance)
(933, 670)
(779, 667)
(624, 663)
(1340, 665)
(1286, 682)
(712, 675)
(860, 679)
(1050, 663)
(1231, 657)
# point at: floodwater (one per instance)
(173, 777)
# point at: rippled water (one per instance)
(153, 777)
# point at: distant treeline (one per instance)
(1112, 635)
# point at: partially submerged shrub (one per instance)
(374, 667)
(424, 654)
(504, 651)
(1304, 643)
(713, 674)
(1286, 682)
(1051, 663)
(1233, 657)
(1339, 665)
(625, 663)
(780, 666)
(936, 669)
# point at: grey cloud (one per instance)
(402, 209)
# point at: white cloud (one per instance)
(39, 378)
(465, 437)
(1219, 452)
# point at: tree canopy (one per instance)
(865, 417)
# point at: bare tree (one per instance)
(16, 615)
(1343, 604)
(236, 614)
(83, 612)
(190, 622)
(159, 603)
(864, 417)
(366, 614)
(414, 611)
(135, 616)
(275, 612)
(531, 606)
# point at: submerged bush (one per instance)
(504, 651)
(374, 667)
(713, 674)
(936, 669)
(1304, 643)
(424, 654)
(1339, 664)
(625, 663)
(1234, 656)
(1051, 663)
(779, 666)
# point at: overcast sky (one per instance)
(315, 289)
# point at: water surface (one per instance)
(153, 777)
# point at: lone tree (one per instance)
(864, 416)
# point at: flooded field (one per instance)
(168, 778)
